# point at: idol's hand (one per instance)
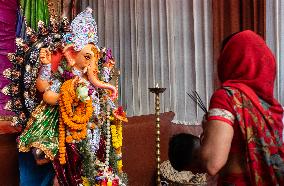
(45, 56)
(75, 81)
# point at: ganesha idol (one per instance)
(76, 124)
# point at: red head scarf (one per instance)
(247, 59)
(248, 64)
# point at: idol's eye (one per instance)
(87, 57)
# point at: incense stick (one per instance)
(196, 98)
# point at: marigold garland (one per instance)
(74, 117)
(62, 148)
(119, 165)
(85, 181)
(116, 134)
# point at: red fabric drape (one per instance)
(230, 16)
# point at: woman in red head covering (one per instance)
(242, 138)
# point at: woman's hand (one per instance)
(204, 121)
(204, 126)
(45, 56)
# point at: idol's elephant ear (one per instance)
(70, 54)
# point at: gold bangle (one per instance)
(6, 118)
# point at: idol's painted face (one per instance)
(84, 57)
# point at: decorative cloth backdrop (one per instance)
(34, 11)
(168, 42)
(8, 15)
(233, 16)
(275, 40)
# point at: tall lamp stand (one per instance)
(157, 92)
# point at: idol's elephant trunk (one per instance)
(94, 79)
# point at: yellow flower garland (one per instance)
(116, 134)
(119, 165)
(85, 181)
(73, 121)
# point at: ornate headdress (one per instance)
(83, 30)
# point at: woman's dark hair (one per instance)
(181, 148)
(227, 39)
